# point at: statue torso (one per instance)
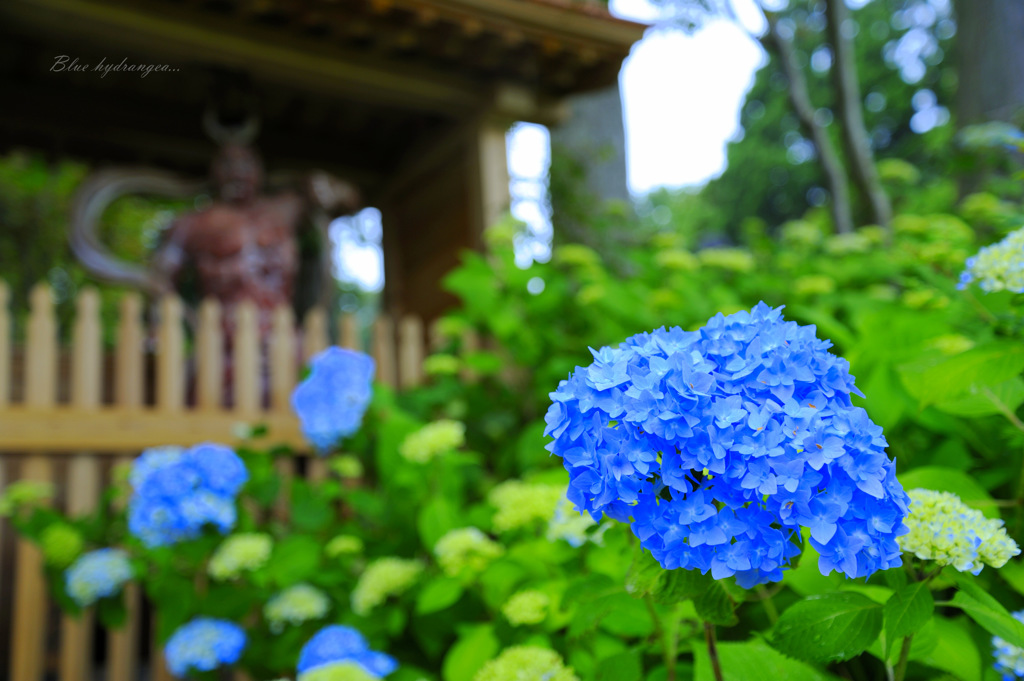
(245, 251)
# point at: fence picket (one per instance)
(384, 350)
(410, 352)
(348, 332)
(29, 626)
(282, 357)
(247, 373)
(315, 340)
(84, 470)
(170, 357)
(129, 376)
(209, 357)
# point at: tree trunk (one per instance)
(800, 100)
(854, 133)
(990, 43)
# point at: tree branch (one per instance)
(854, 133)
(800, 99)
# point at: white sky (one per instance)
(682, 96)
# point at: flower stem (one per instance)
(768, 604)
(709, 636)
(901, 666)
(669, 637)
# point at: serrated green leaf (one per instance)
(954, 651)
(828, 627)
(624, 666)
(989, 365)
(986, 400)
(906, 612)
(473, 649)
(438, 595)
(645, 575)
(992, 618)
(753, 660)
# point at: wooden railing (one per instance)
(161, 393)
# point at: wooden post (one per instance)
(384, 350)
(282, 381)
(209, 357)
(248, 388)
(348, 332)
(83, 472)
(489, 181)
(30, 597)
(170, 360)
(410, 355)
(123, 644)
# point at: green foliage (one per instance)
(828, 627)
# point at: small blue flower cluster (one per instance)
(336, 644)
(717, 445)
(177, 491)
(97, 574)
(203, 645)
(1009, 658)
(997, 267)
(331, 401)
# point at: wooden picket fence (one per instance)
(68, 415)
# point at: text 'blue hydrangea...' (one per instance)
(718, 445)
(177, 491)
(331, 401)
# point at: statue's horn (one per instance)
(242, 134)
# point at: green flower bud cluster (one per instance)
(61, 544)
(295, 605)
(344, 545)
(943, 529)
(23, 493)
(526, 607)
(383, 578)
(526, 663)
(521, 504)
(433, 439)
(466, 550)
(240, 553)
(338, 671)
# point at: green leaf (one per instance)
(310, 512)
(111, 611)
(710, 598)
(474, 648)
(951, 480)
(435, 519)
(624, 666)
(753, 660)
(954, 651)
(991, 616)
(294, 559)
(828, 627)
(986, 400)
(988, 365)
(438, 595)
(906, 612)
(645, 576)
(1013, 574)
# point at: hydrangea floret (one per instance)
(718, 445)
(331, 401)
(337, 644)
(526, 607)
(1009, 662)
(242, 552)
(466, 550)
(204, 644)
(944, 529)
(433, 439)
(520, 504)
(97, 574)
(526, 663)
(997, 267)
(383, 578)
(177, 491)
(295, 605)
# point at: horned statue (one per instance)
(243, 244)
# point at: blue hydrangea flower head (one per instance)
(177, 491)
(997, 267)
(718, 445)
(1009, 658)
(331, 402)
(338, 643)
(97, 574)
(204, 644)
